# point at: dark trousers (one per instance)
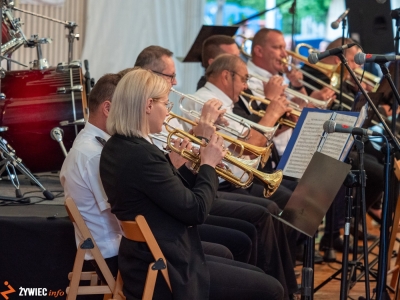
(234, 280)
(233, 234)
(273, 252)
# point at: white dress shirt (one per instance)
(256, 86)
(210, 91)
(80, 178)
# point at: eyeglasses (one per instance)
(244, 79)
(172, 77)
(168, 104)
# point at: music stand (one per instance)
(194, 54)
(308, 205)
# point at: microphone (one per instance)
(362, 58)
(57, 134)
(331, 127)
(335, 25)
(315, 57)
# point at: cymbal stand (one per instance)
(71, 36)
(10, 162)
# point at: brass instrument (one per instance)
(318, 103)
(261, 113)
(268, 132)
(368, 78)
(262, 152)
(270, 181)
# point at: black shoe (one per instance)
(338, 244)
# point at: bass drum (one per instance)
(36, 102)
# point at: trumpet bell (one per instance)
(271, 181)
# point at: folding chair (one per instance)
(89, 244)
(139, 231)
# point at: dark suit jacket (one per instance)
(139, 179)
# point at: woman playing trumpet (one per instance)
(138, 179)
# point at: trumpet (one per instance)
(268, 132)
(318, 103)
(261, 113)
(271, 181)
(262, 152)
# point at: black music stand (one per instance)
(308, 205)
(194, 53)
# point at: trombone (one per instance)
(262, 152)
(261, 113)
(268, 132)
(271, 181)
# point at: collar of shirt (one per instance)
(95, 131)
(215, 92)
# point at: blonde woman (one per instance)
(139, 179)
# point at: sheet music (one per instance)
(335, 142)
(309, 138)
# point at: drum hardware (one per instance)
(89, 82)
(40, 63)
(80, 122)
(75, 88)
(71, 36)
(3, 128)
(11, 60)
(63, 67)
(9, 163)
(57, 134)
(12, 35)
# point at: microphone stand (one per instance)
(383, 235)
(344, 23)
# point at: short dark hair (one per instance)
(103, 90)
(150, 58)
(260, 38)
(211, 47)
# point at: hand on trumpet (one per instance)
(325, 94)
(214, 152)
(276, 109)
(176, 159)
(274, 87)
(294, 77)
(212, 107)
(205, 127)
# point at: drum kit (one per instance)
(35, 102)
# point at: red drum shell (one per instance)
(33, 108)
(5, 33)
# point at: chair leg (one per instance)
(72, 291)
(117, 293)
(150, 283)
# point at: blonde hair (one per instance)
(128, 110)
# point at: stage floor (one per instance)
(50, 181)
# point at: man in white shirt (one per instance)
(267, 53)
(80, 176)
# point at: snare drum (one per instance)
(12, 36)
(36, 102)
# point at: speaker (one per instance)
(370, 24)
